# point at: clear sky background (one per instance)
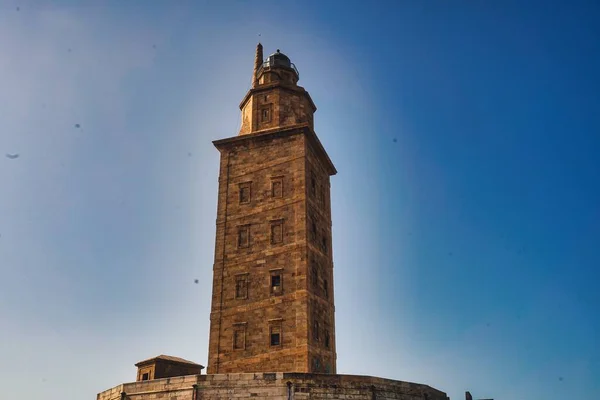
(466, 210)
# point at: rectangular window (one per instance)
(145, 374)
(275, 335)
(316, 331)
(277, 187)
(315, 277)
(245, 192)
(244, 236)
(327, 339)
(241, 286)
(265, 113)
(277, 231)
(239, 336)
(324, 244)
(276, 282)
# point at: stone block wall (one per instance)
(262, 235)
(320, 254)
(276, 105)
(273, 386)
(259, 164)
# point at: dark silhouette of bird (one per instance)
(195, 280)
(77, 126)
(12, 156)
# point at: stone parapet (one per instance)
(272, 386)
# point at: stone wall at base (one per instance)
(273, 386)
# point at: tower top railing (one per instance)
(278, 63)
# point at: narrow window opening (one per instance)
(316, 364)
(316, 331)
(327, 339)
(275, 336)
(326, 288)
(276, 284)
(244, 236)
(275, 339)
(265, 115)
(277, 187)
(245, 193)
(241, 287)
(239, 338)
(276, 232)
(146, 376)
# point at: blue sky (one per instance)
(465, 210)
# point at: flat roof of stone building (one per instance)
(168, 358)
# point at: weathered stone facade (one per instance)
(273, 304)
(272, 386)
(273, 222)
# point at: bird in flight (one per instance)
(12, 156)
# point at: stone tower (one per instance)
(273, 302)
(272, 327)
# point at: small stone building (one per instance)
(166, 367)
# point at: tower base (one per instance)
(272, 386)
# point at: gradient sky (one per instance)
(466, 210)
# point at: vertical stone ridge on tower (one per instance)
(258, 59)
(273, 301)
